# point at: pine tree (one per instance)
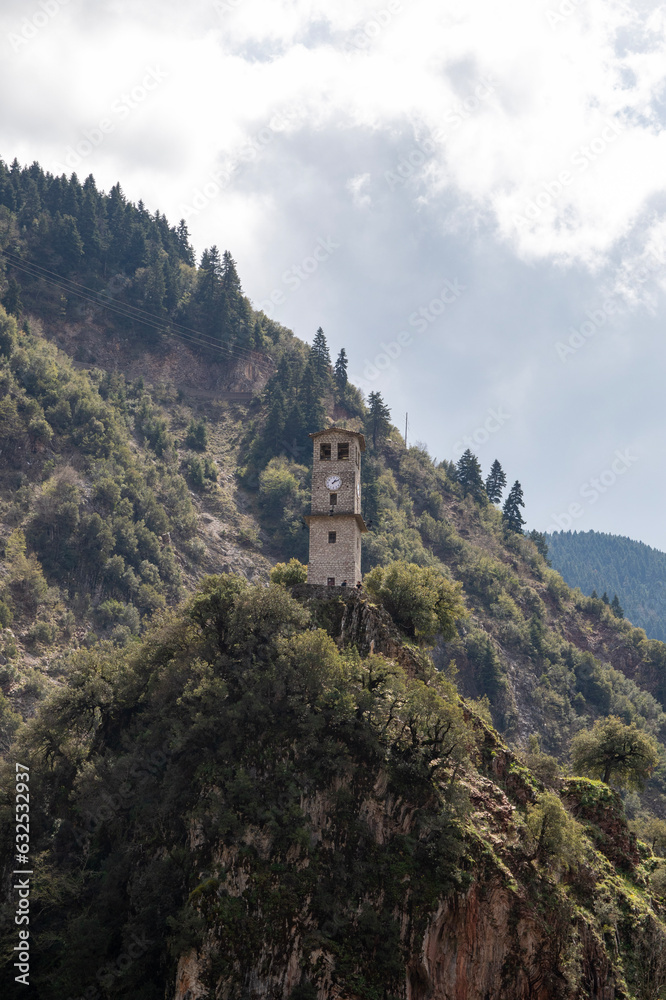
(468, 474)
(12, 298)
(321, 359)
(378, 417)
(513, 519)
(495, 482)
(183, 241)
(594, 595)
(605, 598)
(616, 607)
(341, 372)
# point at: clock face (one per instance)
(333, 483)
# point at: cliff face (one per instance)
(435, 898)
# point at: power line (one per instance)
(127, 311)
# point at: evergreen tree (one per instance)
(594, 594)
(12, 298)
(468, 474)
(495, 482)
(311, 396)
(616, 607)
(513, 519)
(341, 372)
(605, 598)
(539, 540)
(320, 359)
(378, 417)
(67, 240)
(183, 240)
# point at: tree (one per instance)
(341, 371)
(379, 417)
(513, 519)
(541, 544)
(420, 599)
(196, 436)
(12, 298)
(613, 751)
(616, 607)
(605, 598)
(468, 474)
(320, 354)
(555, 837)
(495, 482)
(289, 574)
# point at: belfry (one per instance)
(335, 523)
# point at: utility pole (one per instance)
(406, 418)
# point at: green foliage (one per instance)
(226, 719)
(196, 436)
(615, 753)
(468, 475)
(544, 766)
(200, 471)
(513, 519)
(289, 574)
(555, 839)
(596, 561)
(495, 482)
(421, 600)
(379, 416)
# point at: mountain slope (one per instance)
(593, 560)
(247, 792)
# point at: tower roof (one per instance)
(341, 430)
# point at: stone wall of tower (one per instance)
(349, 494)
(336, 507)
(339, 560)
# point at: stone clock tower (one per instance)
(335, 523)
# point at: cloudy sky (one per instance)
(468, 196)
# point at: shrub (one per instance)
(613, 751)
(196, 436)
(289, 574)
(554, 837)
(420, 599)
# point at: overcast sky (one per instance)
(467, 196)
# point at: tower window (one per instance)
(333, 499)
(343, 452)
(324, 453)
(332, 537)
(330, 581)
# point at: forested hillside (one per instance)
(244, 788)
(613, 564)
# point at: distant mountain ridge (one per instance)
(594, 560)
